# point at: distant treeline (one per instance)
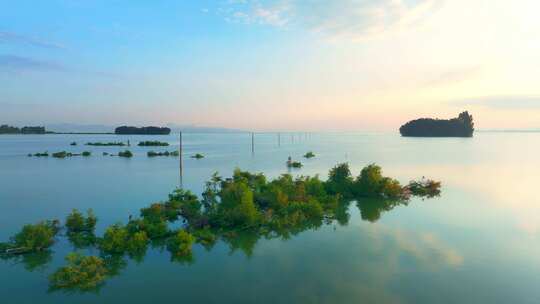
(5, 129)
(462, 126)
(127, 130)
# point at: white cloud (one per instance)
(348, 19)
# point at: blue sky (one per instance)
(265, 65)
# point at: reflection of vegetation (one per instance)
(197, 156)
(107, 144)
(81, 273)
(34, 261)
(154, 143)
(166, 153)
(238, 211)
(126, 153)
(180, 244)
(372, 208)
(309, 155)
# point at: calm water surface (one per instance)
(477, 243)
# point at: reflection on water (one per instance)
(478, 243)
(243, 240)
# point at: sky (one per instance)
(268, 65)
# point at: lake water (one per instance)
(479, 242)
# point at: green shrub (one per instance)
(86, 153)
(126, 153)
(340, 180)
(76, 222)
(197, 156)
(371, 183)
(35, 237)
(180, 244)
(309, 155)
(81, 272)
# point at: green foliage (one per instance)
(309, 154)
(76, 222)
(115, 239)
(73, 144)
(237, 207)
(180, 244)
(81, 273)
(371, 183)
(86, 153)
(154, 143)
(205, 236)
(340, 180)
(35, 237)
(126, 153)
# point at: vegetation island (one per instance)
(293, 164)
(154, 143)
(128, 130)
(238, 211)
(5, 129)
(309, 154)
(106, 144)
(166, 153)
(462, 126)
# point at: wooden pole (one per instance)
(252, 143)
(180, 157)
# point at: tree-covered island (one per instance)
(128, 130)
(6, 129)
(461, 126)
